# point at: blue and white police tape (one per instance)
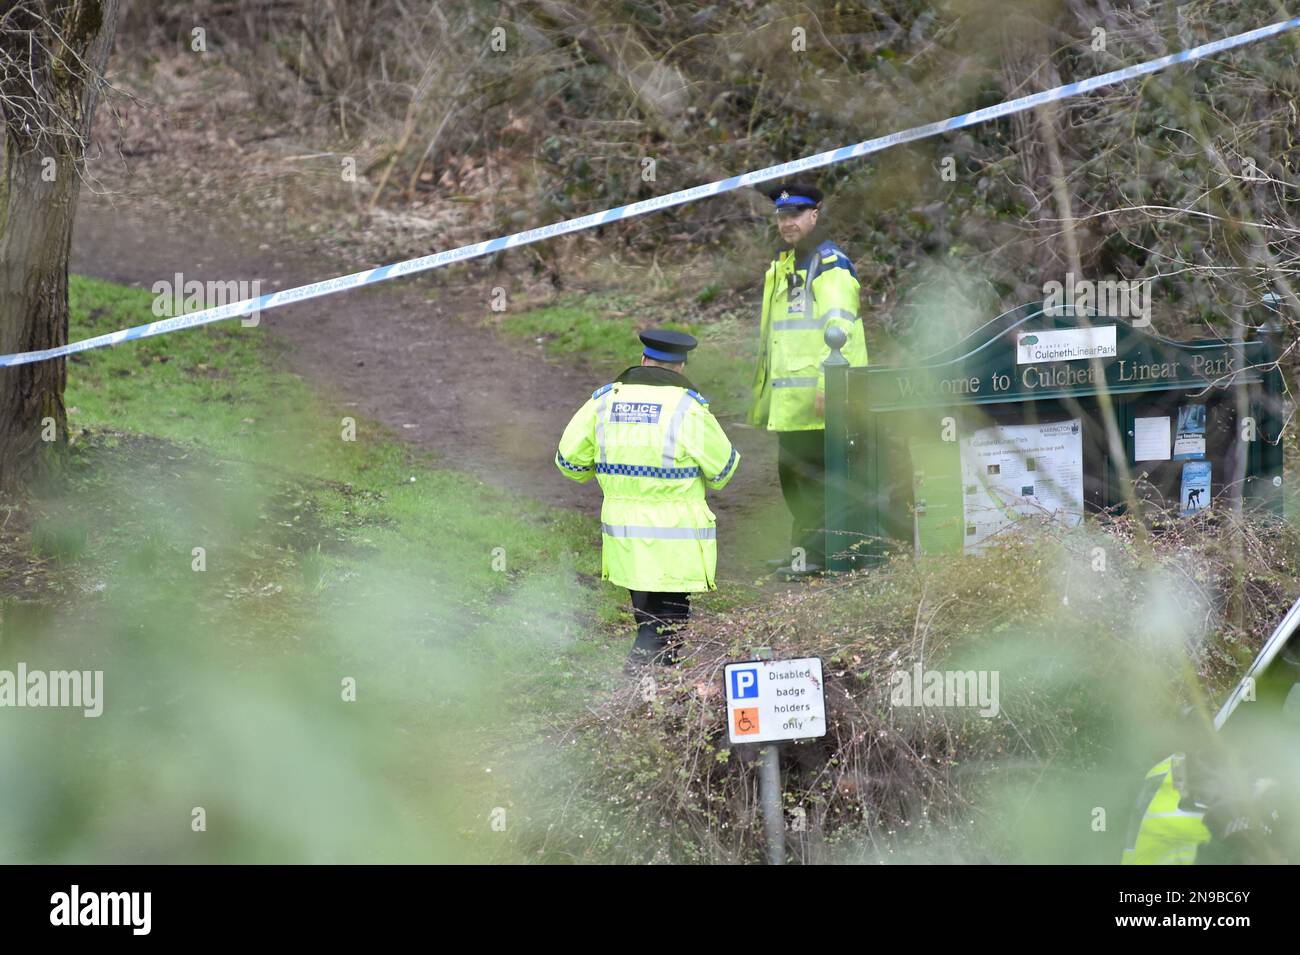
(437, 260)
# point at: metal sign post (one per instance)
(769, 797)
(769, 701)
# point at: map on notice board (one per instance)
(1011, 472)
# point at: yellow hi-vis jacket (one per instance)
(792, 344)
(1165, 834)
(653, 445)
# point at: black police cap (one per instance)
(794, 194)
(662, 344)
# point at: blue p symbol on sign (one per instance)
(744, 684)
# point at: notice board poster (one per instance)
(1189, 442)
(1013, 472)
(1195, 493)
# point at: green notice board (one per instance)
(1139, 409)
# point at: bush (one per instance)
(1098, 637)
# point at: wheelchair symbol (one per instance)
(746, 721)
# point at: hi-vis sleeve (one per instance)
(837, 294)
(576, 455)
(709, 447)
(761, 393)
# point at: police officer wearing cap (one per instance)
(809, 286)
(650, 440)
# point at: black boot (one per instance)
(646, 654)
(658, 617)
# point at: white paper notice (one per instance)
(1012, 472)
(1151, 439)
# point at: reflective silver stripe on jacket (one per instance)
(799, 324)
(661, 533)
(810, 273)
(794, 382)
(674, 425)
(600, 426)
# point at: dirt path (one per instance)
(405, 353)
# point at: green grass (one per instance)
(599, 328)
(599, 331)
(219, 390)
(228, 561)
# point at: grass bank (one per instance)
(311, 636)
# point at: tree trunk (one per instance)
(47, 113)
(35, 234)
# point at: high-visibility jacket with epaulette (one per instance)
(802, 297)
(1163, 832)
(654, 446)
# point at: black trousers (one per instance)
(801, 464)
(658, 618)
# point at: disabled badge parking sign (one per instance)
(770, 700)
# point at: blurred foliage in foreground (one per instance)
(490, 723)
(469, 619)
(1112, 650)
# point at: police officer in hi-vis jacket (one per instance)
(810, 285)
(653, 445)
